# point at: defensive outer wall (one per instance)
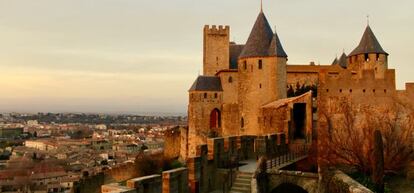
(210, 171)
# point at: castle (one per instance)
(253, 119)
(251, 90)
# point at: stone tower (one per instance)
(369, 55)
(262, 74)
(216, 49)
(204, 111)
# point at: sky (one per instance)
(141, 56)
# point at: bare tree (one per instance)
(346, 137)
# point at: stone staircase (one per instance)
(242, 184)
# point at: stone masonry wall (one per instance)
(172, 143)
(229, 82)
(199, 111)
(345, 86)
(230, 120)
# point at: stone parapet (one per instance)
(146, 184)
(340, 182)
(175, 181)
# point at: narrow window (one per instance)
(340, 90)
(385, 90)
(217, 60)
(245, 65)
(327, 90)
(230, 79)
(366, 57)
(260, 64)
(242, 122)
(377, 57)
(260, 85)
(373, 90)
(205, 95)
(363, 90)
(350, 90)
(215, 95)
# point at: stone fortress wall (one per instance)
(366, 89)
(203, 173)
(209, 170)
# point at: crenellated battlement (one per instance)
(217, 30)
(409, 88)
(348, 83)
(368, 76)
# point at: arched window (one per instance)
(215, 123)
(215, 119)
(230, 79)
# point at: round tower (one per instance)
(262, 74)
(369, 55)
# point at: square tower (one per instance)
(216, 49)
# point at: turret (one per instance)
(262, 73)
(369, 55)
(342, 61)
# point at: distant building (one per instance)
(43, 145)
(32, 123)
(10, 133)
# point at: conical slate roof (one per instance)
(343, 61)
(335, 61)
(276, 48)
(235, 50)
(259, 40)
(368, 44)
